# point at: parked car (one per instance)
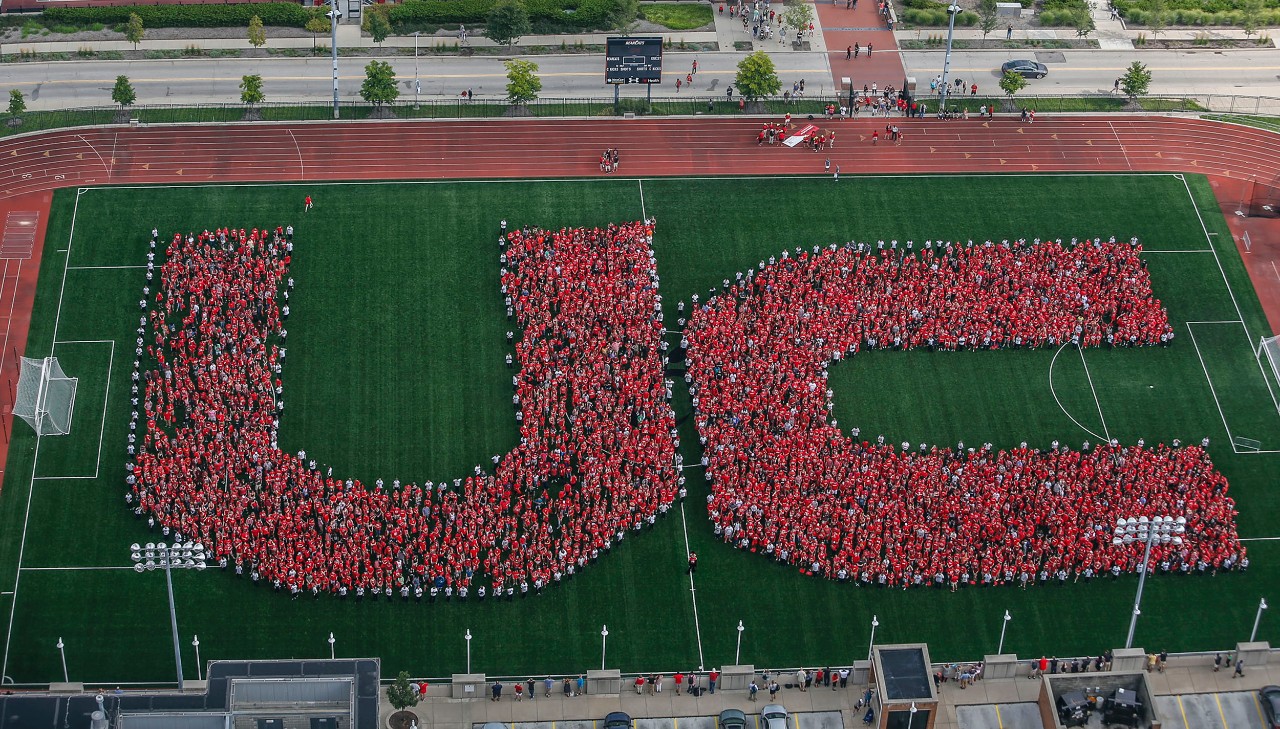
(773, 716)
(617, 720)
(1269, 698)
(732, 719)
(1025, 68)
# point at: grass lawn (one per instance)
(1269, 123)
(677, 16)
(395, 369)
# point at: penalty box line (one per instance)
(106, 396)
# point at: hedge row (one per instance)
(1267, 18)
(937, 17)
(1208, 6)
(183, 16)
(571, 13)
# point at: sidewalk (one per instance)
(1184, 675)
(1110, 34)
(842, 27)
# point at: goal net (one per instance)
(46, 397)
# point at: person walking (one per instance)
(693, 562)
(752, 690)
(1217, 663)
(1239, 668)
(306, 205)
(848, 53)
(679, 679)
(1008, 33)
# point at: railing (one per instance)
(457, 108)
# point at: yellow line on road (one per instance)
(1182, 710)
(999, 721)
(1258, 705)
(1217, 699)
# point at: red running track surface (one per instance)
(1234, 157)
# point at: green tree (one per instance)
(507, 22)
(1082, 21)
(257, 33)
(379, 85)
(17, 104)
(122, 93)
(798, 15)
(251, 90)
(1157, 16)
(1136, 81)
(133, 30)
(317, 23)
(1011, 83)
(377, 22)
(988, 18)
(401, 694)
(1251, 16)
(757, 77)
(523, 84)
(624, 16)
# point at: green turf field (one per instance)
(395, 369)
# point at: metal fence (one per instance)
(459, 108)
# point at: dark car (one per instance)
(1025, 68)
(732, 719)
(1269, 697)
(617, 720)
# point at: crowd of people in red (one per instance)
(597, 455)
(786, 482)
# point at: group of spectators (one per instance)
(596, 459)
(787, 483)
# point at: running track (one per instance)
(31, 167)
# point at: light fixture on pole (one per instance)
(952, 11)
(334, 16)
(63, 653)
(332, 653)
(604, 637)
(417, 85)
(1262, 605)
(1003, 625)
(1164, 529)
(169, 557)
(468, 637)
(912, 723)
(875, 623)
(195, 643)
(738, 653)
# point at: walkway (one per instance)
(842, 27)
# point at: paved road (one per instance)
(88, 83)
(1244, 72)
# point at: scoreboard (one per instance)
(633, 60)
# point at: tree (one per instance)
(317, 23)
(377, 22)
(401, 694)
(523, 84)
(798, 15)
(624, 16)
(122, 93)
(507, 22)
(379, 85)
(251, 90)
(258, 34)
(1251, 16)
(17, 104)
(1082, 20)
(1157, 16)
(133, 30)
(757, 77)
(1135, 81)
(1011, 83)
(988, 19)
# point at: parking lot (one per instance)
(798, 720)
(999, 716)
(1237, 710)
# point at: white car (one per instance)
(773, 716)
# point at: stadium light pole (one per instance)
(1164, 529)
(1003, 625)
(332, 653)
(738, 653)
(417, 85)
(187, 555)
(468, 638)
(334, 16)
(952, 11)
(875, 623)
(604, 638)
(63, 653)
(1262, 605)
(195, 643)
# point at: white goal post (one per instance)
(46, 396)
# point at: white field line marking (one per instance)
(1273, 268)
(1259, 539)
(13, 298)
(72, 569)
(1212, 391)
(301, 165)
(1230, 292)
(643, 214)
(1095, 393)
(1183, 251)
(1054, 392)
(693, 590)
(102, 429)
(99, 268)
(1217, 321)
(35, 457)
(65, 478)
(94, 149)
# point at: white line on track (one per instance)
(302, 166)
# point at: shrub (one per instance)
(183, 16)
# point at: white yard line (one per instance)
(99, 268)
(1095, 393)
(1212, 391)
(693, 590)
(74, 569)
(643, 214)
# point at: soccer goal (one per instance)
(46, 397)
